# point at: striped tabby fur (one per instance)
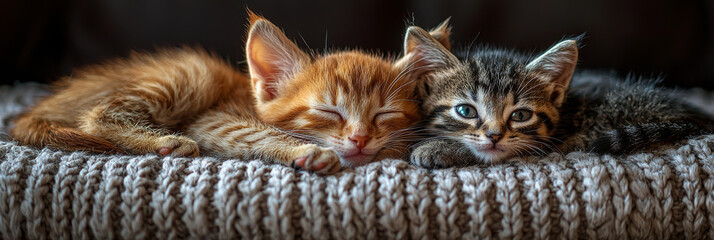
(313, 112)
(518, 105)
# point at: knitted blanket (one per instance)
(44, 193)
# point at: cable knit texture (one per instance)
(44, 193)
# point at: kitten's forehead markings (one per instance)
(355, 114)
(470, 97)
(343, 107)
(482, 73)
(354, 109)
(484, 105)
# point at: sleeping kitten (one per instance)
(493, 104)
(308, 112)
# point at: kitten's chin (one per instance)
(491, 155)
(356, 160)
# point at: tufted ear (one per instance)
(442, 33)
(556, 66)
(272, 58)
(423, 53)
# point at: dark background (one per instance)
(44, 39)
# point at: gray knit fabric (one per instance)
(668, 193)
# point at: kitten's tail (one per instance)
(639, 136)
(31, 130)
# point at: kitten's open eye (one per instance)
(330, 113)
(521, 115)
(466, 111)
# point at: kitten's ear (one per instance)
(442, 33)
(423, 53)
(272, 58)
(556, 66)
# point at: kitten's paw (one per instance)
(426, 157)
(440, 154)
(323, 161)
(177, 146)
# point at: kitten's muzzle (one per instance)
(358, 159)
(494, 137)
(359, 141)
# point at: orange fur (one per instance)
(109, 101)
(290, 108)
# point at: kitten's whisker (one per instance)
(404, 72)
(306, 137)
(312, 53)
(309, 137)
(468, 51)
(393, 93)
(551, 138)
(527, 145)
(527, 92)
(408, 100)
(553, 149)
(535, 149)
(531, 97)
(400, 75)
(392, 83)
(517, 148)
(523, 86)
(551, 146)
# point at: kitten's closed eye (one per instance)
(383, 117)
(330, 113)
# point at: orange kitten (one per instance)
(309, 112)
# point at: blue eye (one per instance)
(466, 111)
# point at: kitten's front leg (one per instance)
(440, 153)
(231, 135)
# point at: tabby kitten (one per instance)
(492, 104)
(312, 112)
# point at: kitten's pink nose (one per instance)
(359, 141)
